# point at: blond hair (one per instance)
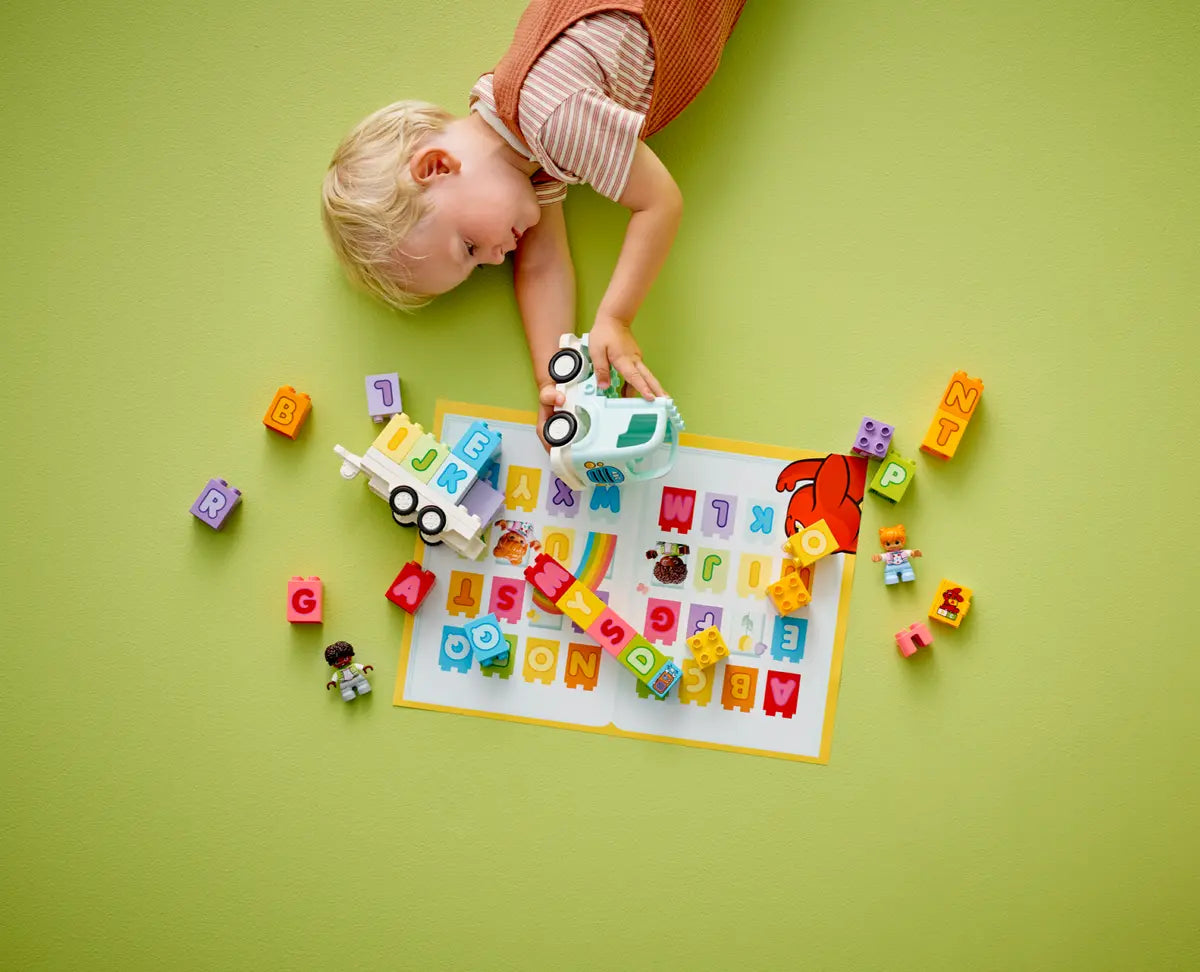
(369, 201)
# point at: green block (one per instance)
(426, 456)
(643, 691)
(506, 669)
(642, 658)
(893, 476)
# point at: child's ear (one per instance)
(430, 162)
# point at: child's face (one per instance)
(481, 208)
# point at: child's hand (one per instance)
(611, 345)
(549, 398)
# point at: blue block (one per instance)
(666, 676)
(486, 638)
(454, 477)
(478, 445)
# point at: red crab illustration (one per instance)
(829, 489)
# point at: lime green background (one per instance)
(877, 194)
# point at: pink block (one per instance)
(305, 600)
(921, 634)
(611, 631)
(913, 637)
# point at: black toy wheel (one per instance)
(431, 521)
(565, 365)
(560, 428)
(403, 502)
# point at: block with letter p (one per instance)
(893, 476)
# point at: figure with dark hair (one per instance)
(350, 677)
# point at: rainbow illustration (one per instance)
(593, 566)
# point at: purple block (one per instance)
(872, 440)
(561, 500)
(603, 595)
(383, 396)
(719, 510)
(215, 502)
(483, 501)
(701, 616)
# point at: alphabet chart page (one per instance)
(672, 557)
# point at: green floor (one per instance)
(877, 194)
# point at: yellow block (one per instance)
(580, 605)
(397, 437)
(951, 603)
(788, 593)
(944, 435)
(811, 544)
(708, 647)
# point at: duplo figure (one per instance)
(896, 560)
(350, 677)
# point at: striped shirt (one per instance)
(582, 106)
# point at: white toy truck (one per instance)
(598, 437)
(428, 483)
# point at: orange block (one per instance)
(962, 396)
(288, 410)
(955, 408)
(944, 435)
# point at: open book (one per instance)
(672, 557)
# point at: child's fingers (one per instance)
(635, 378)
(638, 375)
(549, 395)
(651, 381)
(600, 365)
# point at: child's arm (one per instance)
(656, 206)
(544, 280)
